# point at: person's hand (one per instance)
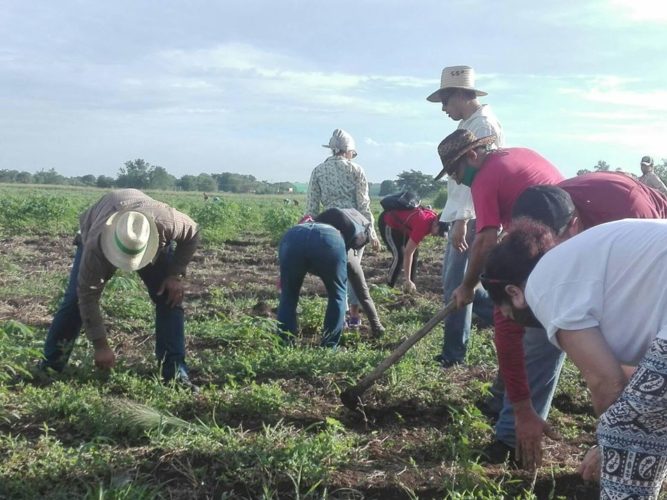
(459, 231)
(375, 244)
(529, 431)
(104, 356)
(409, 287)
(173, 286)
(463, 296)
(591, 466)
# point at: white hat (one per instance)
(130, 240)
(341, 141)
(456, 77)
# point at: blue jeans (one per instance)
(318, 249)
(169, 321)
(457, 325)
(544, 362)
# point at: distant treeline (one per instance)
(142, 175)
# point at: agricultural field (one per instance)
(268, 422)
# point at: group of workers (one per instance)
(566, 270)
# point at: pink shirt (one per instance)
(502, 178)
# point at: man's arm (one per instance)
(94, 272)
(459, 232)
(408, 256)
(484, 242)
(529, 426)
(603, 373)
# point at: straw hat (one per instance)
(456, 77)
(455, 145)
(130, 240)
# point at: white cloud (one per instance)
(650, 11)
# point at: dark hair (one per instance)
(515, 257)
(468, 94)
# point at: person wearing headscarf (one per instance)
(339, 182)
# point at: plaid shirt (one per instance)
(95, 270)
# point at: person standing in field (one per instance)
(458, 95)
(649, 177)
(339, 182)
(601, 298)
(127, 230)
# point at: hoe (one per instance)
(351, 397)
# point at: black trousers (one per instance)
(396, 239)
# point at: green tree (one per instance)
(188, 183)
(135, 174)
(204, 183)
(159, 178)
(87, 180)
(104, 181)
(8, 175)
(602, 166)
(661, 170)
(417, 182)
(24, 177)
(387, 187)
(49, 177)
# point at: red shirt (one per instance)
(608, 196)
(502, 178)
(415, 222)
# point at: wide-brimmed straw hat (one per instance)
(455, 145)
(130, 240)
(456, 77)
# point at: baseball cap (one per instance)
(549, 205)
(647, 160)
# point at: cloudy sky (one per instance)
(257, 86)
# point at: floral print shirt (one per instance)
(339, 183)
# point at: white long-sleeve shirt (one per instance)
(482, 123)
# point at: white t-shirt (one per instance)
(612, 276)
(482, 123)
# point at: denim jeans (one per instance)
(318, 249)
(457, 325)
(544, 362)
(169, 321)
